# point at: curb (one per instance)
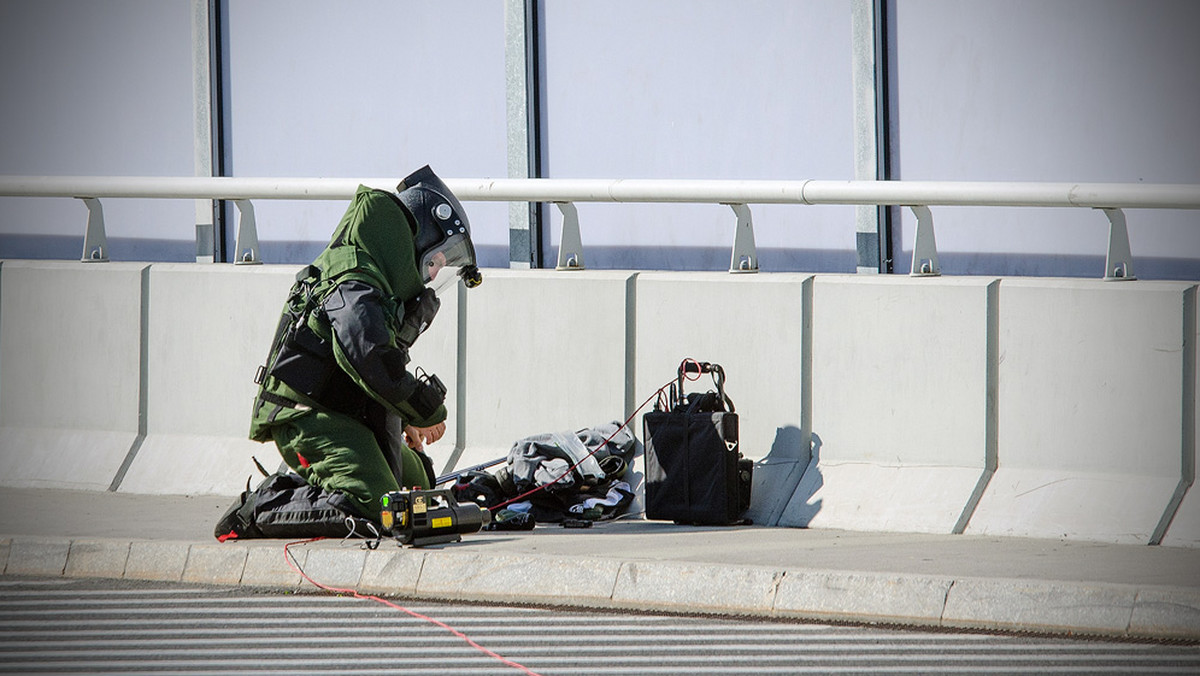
(1041, 606)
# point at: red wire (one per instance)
(622, 426)
(287, 556)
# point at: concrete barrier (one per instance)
(1046, 408)
(753, 325)
(901, 403)
(1091, 396)
(544, 352)
(209, 328)
(220, 321)
(71, 391)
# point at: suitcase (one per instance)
(695, 472)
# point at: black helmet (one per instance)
(442, 225)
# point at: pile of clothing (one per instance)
(557, 477)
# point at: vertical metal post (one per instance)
(884, 11)
(218, 34)
(202, 148)
(862, 40)
(870, 72)
(522, 59)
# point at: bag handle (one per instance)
(690, 365)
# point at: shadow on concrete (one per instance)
(801, 508)
(778, 475)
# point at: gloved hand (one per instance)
(417, 437)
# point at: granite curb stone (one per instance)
(97, 558)
(1095, 608)
(37, 556)
(516, 578)
(1033, 605)
(392, 571)
(836, 595)
(215, 564)
(156, 560)
(267, 567)
(695, 586)
(338, 567)
(1166, 613)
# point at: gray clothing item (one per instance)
(544, 458)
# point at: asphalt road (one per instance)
(58, 625)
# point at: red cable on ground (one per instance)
(287, 556)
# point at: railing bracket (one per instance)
(570, 245)
(95, 242)
(246, 249)
(745, 255)
(925, 257)
(1118, 262)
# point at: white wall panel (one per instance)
(96, 88)
(1090, 401)
(367, 89)
(900, 403)
(682, 89)
(70, 382)
(1075, 90)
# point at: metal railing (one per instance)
(1111, 198)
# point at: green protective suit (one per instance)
(337, 368)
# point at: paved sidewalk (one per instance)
(923, 580)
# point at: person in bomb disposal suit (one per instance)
(336, 395)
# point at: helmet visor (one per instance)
(445, 280)
(455, 252)
(448, 278)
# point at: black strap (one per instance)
(347, 400)
(273, 398)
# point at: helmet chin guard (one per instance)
(443, 232)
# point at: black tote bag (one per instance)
(695, 472)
